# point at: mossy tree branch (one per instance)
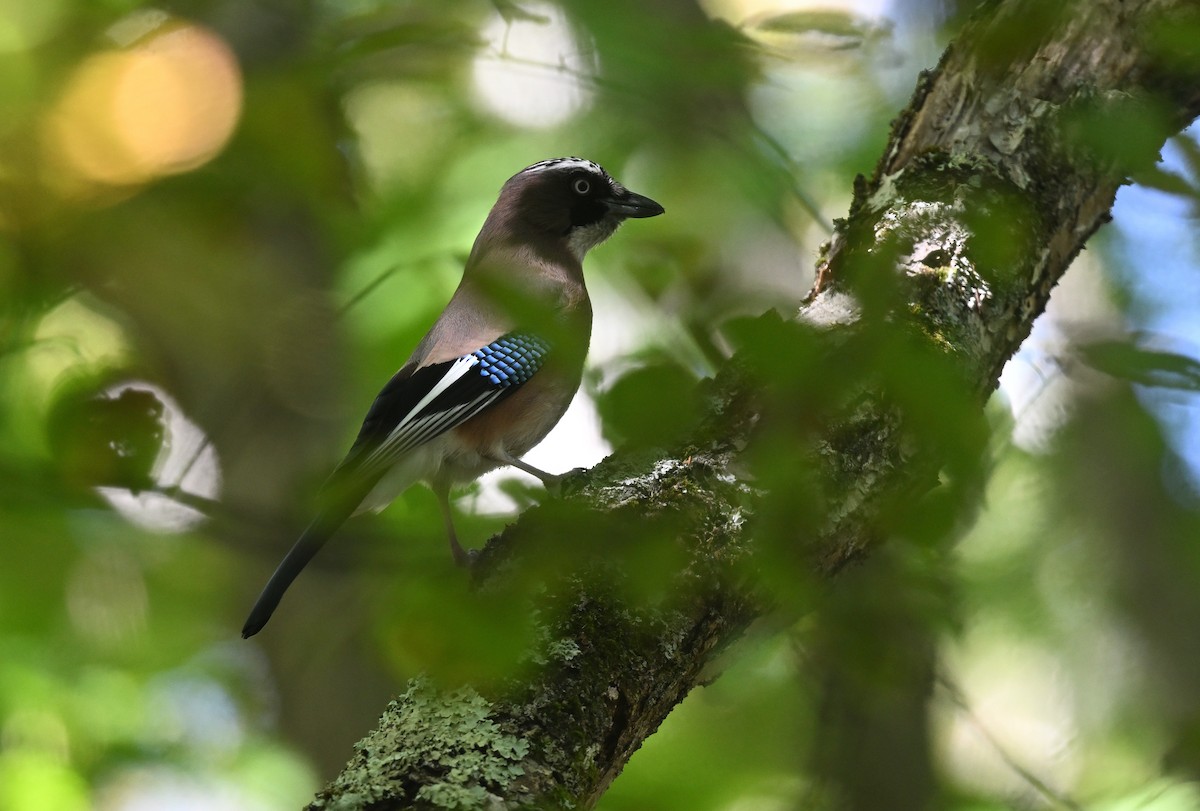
(993, 180)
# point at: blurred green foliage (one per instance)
(185, 348)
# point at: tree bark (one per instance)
(989, 186)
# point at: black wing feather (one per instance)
(402, 417)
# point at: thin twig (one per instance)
(959, 699)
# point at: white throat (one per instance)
(585, 237)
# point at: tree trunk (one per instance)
(992, 181)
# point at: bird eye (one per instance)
(581, 186)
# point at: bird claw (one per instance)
(555, 482)
(463, 558)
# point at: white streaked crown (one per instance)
(566, 163)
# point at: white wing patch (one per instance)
(416, 428)
(456, 370)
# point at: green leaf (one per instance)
(1146, 367)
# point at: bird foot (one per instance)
(463, 558)
(555, 482)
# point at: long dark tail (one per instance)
(308, 544)
(340, 496)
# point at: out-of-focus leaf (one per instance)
(1174, 36)
(686, 72)
(651, 406)
(1146, 367)
(1169, 182)
(836, 28)
(106, 439)
(513, 12)
(392, 42)
(1123, 132)
(1191, 152)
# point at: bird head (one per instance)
(570, 202)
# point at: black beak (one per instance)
(629, 204)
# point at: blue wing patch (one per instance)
(512, 359)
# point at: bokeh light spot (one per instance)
(189, 464)
(529, 74)
(163, 106)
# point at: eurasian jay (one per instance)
(497, 369)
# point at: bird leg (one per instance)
(461, 556)
(551, 481)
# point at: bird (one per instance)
(497, 369)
